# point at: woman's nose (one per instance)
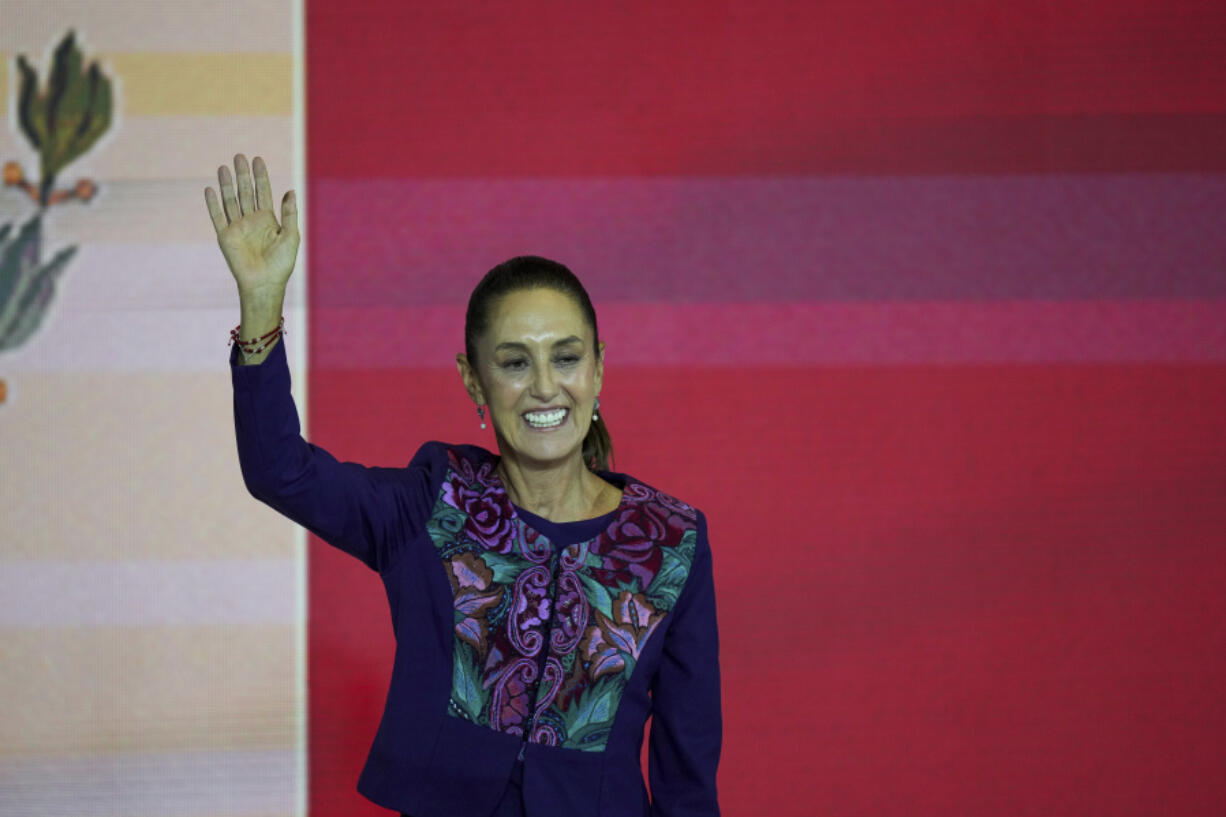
(543, 384)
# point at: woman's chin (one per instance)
(545, 448)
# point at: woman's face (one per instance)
(539, 372)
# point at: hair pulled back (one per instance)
(533, 272)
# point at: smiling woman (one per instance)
(544, 607)
(533, 355)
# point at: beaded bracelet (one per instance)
(248, 348)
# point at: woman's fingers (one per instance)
(263, 187)
(246, 190)
(228, 200)
(215, 213)
(289, 214)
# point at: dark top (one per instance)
(527, 652)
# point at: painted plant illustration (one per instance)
(62, 119)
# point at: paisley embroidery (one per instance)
(545, 642)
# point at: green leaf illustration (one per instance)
(26, 286)
(27, 96)
(66, 119)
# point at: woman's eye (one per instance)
(515, 364)
(567, 360)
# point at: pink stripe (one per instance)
(1131, 237)
(807, 334)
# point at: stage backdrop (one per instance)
(922, 302)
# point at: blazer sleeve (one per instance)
(686, 725)
(367, 512)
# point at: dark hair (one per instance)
(534, 272)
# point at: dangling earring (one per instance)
(481, 414)
(595, 410)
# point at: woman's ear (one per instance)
(469, 378)
(599, 379)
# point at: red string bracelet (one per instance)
(247, 348)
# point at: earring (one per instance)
(595, 410)
(481, 414)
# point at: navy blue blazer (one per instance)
(511, 648)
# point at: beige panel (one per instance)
(205, 84)
(187, 148)
(127, 466)
(148, 689)
(134, 212)
(32, 26)
(190, 148)
(200, 83)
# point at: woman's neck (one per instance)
(565, 492)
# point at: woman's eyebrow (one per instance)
(523, 347)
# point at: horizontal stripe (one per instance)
(163, 342)
(766, 87)
(117, 467)
(143, 211)
(196, 83)
(150, 278)
(147, 689)
(165, 148)
(221, 783)
(33, 26)
(887, 145)
(814, 334)
(209, 84)
(95, 594)
(410, 243)
(115, 339)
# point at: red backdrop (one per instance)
(923, 302)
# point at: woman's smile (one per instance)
(546, 419)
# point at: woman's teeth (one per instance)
(545, 419)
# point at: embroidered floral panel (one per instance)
(546, 639)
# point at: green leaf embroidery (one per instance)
(505, 568)
(466, 691)
(666, 585)
(597, 594)
(592, 714)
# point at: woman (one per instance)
(543, 607)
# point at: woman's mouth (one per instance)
(549, 418)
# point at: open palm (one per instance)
(259, 250)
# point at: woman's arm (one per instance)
(367, 512)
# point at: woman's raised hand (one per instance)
(260, 251)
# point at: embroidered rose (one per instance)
(490, 515)
(629, 550)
